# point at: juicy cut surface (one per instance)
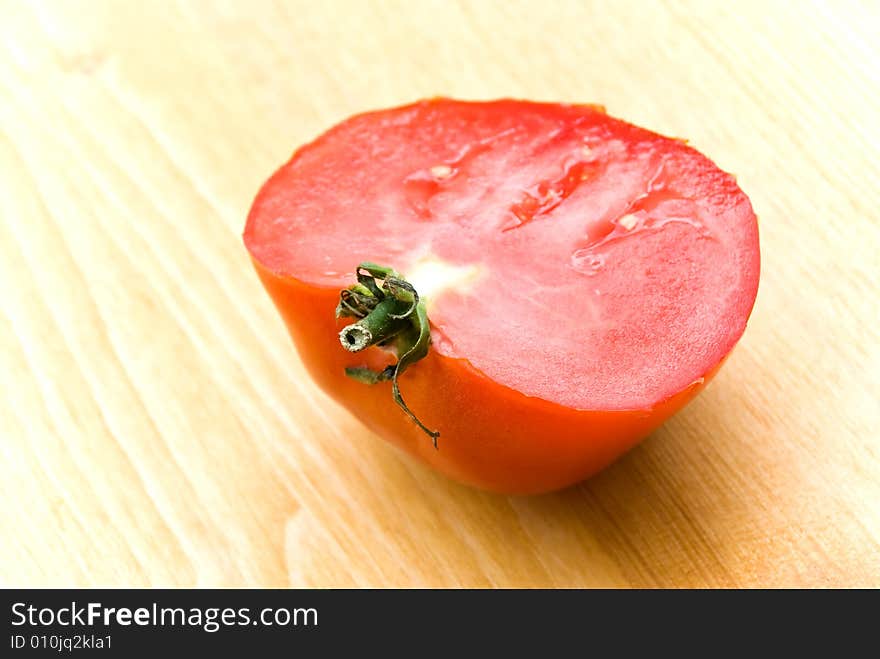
(566, 254)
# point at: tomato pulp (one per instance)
(583, 278)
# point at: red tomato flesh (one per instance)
(566, 255)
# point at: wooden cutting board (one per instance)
(157, 426)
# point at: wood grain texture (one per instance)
(157, 426)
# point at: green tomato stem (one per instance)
(378, 326)
(389, 313)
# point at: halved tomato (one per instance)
(582, 279)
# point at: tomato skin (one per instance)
(492, 437)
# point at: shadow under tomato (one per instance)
(664, 515)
